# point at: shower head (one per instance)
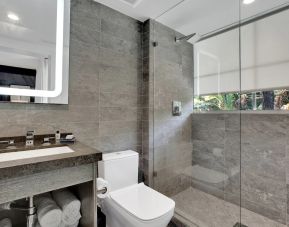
(185, 38)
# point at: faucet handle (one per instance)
(11, 142)
(30, 138)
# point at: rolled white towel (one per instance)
(69, 204)
(64, 223)
(48, 213)
(6, 222)
(72, 225)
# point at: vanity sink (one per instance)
(18, 155)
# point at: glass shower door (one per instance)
(264, 134)
(217, 119)
(195, 83)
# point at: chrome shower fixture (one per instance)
(184, 38)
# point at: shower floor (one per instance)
(199, 209)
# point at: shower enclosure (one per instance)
(222, 157)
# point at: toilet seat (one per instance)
(142, 202)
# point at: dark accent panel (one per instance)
(17, 70)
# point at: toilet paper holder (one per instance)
(102, 191)
(101, 186)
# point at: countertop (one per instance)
(82, 155)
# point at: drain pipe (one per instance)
(31, 216)
(31, 210)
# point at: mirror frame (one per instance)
(58, 64)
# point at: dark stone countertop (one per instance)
(82, 155)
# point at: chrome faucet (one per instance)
(30, 138)
(47, 140)
(29, 208)
(9, 142)
(31, 216)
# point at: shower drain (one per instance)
(238, 224)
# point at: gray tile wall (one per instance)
(168, 76)
(263, 154)
(104, 88)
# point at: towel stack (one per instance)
(6, 222)
(48, 213)
(70, 207)
(62, 209)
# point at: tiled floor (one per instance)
(205, 210)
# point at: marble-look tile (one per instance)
(119, 142)
(86, 35)
(86, 7)
(259, 148)
(82, 53)
(119, 19)
(212, 135)
(116, 79)
(84, 82)
(206, 210)
(268, 162)
(119, 114)
(207, 121)
(209, 155)
(120, 45)
(114, 29)
(114, 128)
(83, 98)
(108, 99)
(91, 22)
(278, 215)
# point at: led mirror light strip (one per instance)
(58, 64)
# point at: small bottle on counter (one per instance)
(57, 136)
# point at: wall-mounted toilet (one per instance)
(129, 203)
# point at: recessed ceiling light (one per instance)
(247, 2)
(133, 3)
(13, 16)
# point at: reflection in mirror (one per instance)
(34, 51)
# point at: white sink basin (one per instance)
(17, 155)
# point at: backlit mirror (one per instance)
(34, 51)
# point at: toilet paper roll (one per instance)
(100, 185)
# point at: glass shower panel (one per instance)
(195, 83)
(264, 136)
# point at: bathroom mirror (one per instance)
(34, 51)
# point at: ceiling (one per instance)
(192, 16)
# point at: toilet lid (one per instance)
(142, 202)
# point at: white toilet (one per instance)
(127, 203)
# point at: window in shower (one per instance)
(262, 76)
(257, 100)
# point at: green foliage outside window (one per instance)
(259, 100)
